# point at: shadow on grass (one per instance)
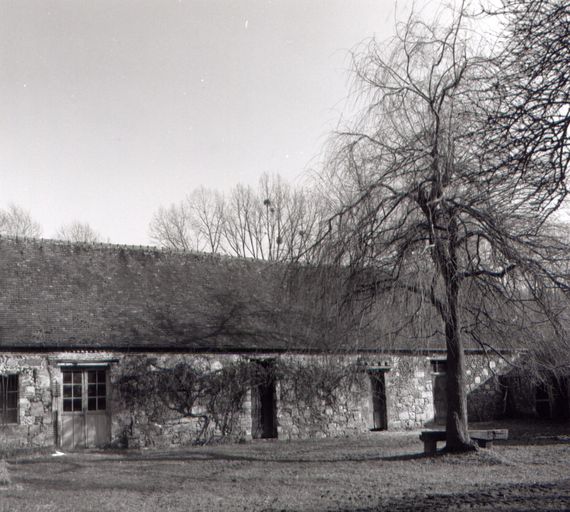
(71, 462)
(519, 497)
(407, 456)
(527, 433)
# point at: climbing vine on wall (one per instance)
(214, 395)
(320, 381)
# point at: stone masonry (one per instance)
(344, 410)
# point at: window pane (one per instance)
(8, 399)
(12, 416)
(91, 377)
(67, 390)
(101, 376)
(77, 391)
(76, 377)
(102, 390)
(8, 417)
(77, 404)
(92, 390)
(67, 377)
(12, 401)
(12, 383)
(67, 405)
(92, 404)
(439, 366)
(102, 403)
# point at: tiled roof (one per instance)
(57, 295)
(77, 295)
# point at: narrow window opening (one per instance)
(439, 365)
(8, 399)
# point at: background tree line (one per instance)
(273, 221)
(15, 221)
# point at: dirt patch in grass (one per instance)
(378, 471)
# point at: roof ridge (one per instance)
(108, 246)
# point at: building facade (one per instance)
(135, 347)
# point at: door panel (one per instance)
(264, 411)
(379, 410)
(440, 398)
(96, 429)
(85, 418)
(264, 403)
(256, 419)
(73, 431)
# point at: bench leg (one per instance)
(485, 443)
(430, 446)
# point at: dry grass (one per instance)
(4, 475)
(379, 471)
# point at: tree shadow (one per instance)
(409, 456)
(535, 496)
(75, 459)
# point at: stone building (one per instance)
(106, 345)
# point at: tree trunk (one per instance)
(457, 426)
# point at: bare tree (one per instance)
(78, 232)
(15, 221)
(530, 115)
(432, 216)
(172, 228)
(243, 230)
(271, 222)
(268, 222)
(208, 216)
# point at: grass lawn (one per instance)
(378, 471)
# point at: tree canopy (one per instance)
(17, 222)
(445, 185)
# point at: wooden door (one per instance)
(264, 403)
(379, 410)
(543, 401)
(440, 398)
(85, 419)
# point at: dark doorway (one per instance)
(264, 402)
(439, 368)
(551, 399)
(511, 385)
(543, 401)
(561, 408)
(379, 409)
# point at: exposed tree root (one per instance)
(464, 447)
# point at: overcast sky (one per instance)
(111, 108)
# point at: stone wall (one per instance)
(333, 399)
(315, 396)
(34, 427)
(486, 393)
(149, 422)
(303, 410)
(410, 395)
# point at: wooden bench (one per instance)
(484, 438)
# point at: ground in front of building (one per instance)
(377, 471)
